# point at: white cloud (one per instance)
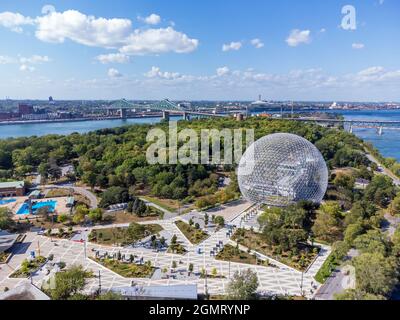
(25, 67)
(155, 72)
(14, 21)
(114, 73)
(358, 46)
(6, 60)
(115, 33)
(222, 71)
(112, 58)
(257, 43)
(155, 41)
(35, 59)
(232, 46)
(56, 27)
(323, 30)
(298, 37)
(152, 19)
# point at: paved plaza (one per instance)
(277, 279)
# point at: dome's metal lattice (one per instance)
(281, 169)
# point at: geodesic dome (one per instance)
(281, 169)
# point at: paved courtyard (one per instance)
(273, 280)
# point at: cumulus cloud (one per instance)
(358, 46)
(6, 60)
(35, 59)
(56, 27)
(25, 67)
(222, 71)
(114, 73)
(154, 41)
(156, 72)
(298, 37)
(14, 21)
(257, 43)
(152, 19)
(112, 58)
(232, 46)
(114, 33)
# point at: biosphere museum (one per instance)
(281, 169)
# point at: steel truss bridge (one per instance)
(165, 106)
(378, 125)
(156, 106)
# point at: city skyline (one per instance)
(199, 51)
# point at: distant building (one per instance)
(25, 109)
(12, 189)
(38, 116)
(5, 115)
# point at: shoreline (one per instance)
(23, 122)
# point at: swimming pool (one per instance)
(6, 201)
(24, 209)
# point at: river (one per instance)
(388, 144)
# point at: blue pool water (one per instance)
(6, 201)
(24, 209)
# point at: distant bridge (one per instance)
(157, 106)
(165, 106)
(379, 125)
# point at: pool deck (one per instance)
(14, 206)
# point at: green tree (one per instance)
(375, 274)
(373, 241)
(5, 218)
(394, 207)
(380, 191)
(69, 282)
(243, 286)
(96, 214)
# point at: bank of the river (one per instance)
(388, 144)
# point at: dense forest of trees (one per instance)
(116, 157)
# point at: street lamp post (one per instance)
(301, 285)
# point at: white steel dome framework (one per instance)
(281, 169)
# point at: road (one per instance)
(336, 282)
(386, 172)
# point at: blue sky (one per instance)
(208, 49)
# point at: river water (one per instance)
(388, 144)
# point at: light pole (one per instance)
(99, 282)
(301, 285)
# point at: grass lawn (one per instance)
(127, 270)
(56, 193)
(230, 253)
(123, 217)
(167, 204)
(28, 267)
(326, 269)
(300, 261)
(195, 236)
(111, 236)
